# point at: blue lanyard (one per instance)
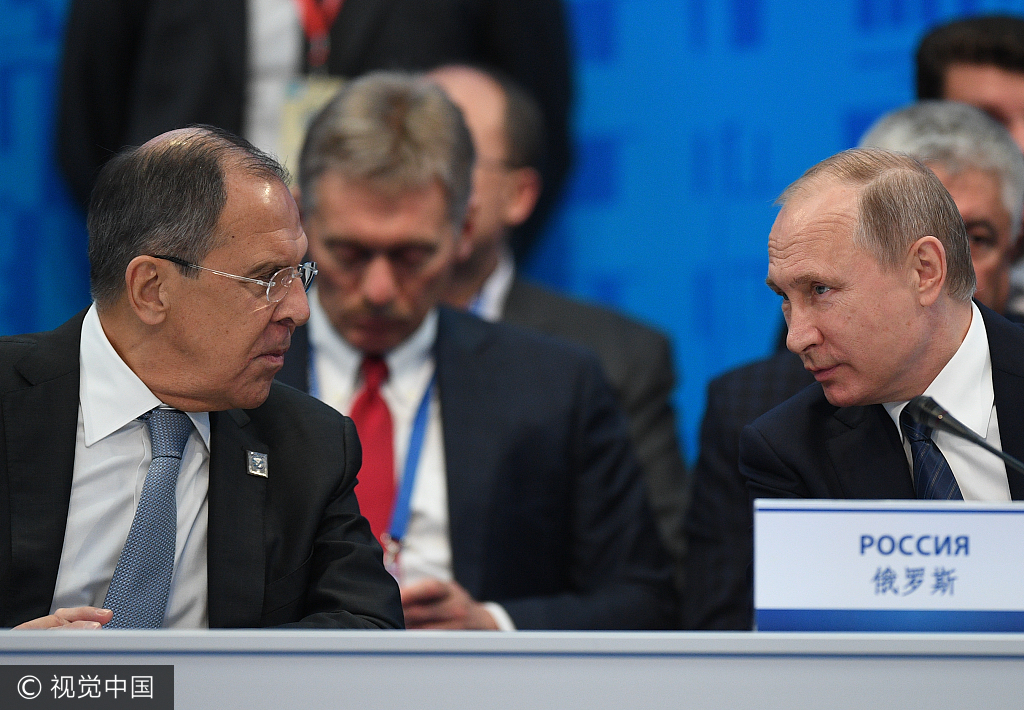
(403, 501)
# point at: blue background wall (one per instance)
(692, 115)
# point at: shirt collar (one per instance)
(964, 386)
(110, 393)
(489, 302)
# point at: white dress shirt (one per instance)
(112, 455)
(335, 379)
(964, 388)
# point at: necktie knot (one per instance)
(375, 372)
(169, 430)
(914, 431)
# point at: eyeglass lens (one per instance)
(281, 281)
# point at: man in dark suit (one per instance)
(872, 260)
(978, 163)
(132, 69)
(507, 130)
(514, 500)
(153, 472)
(719, 545)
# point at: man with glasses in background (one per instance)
(153, 474)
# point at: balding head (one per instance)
(165, 197)
(507, 131)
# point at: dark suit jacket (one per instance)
(133, 69)
(638, 362)
(808, 448)
(546, 510)
(289, 549)
(719, 594)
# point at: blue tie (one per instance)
(142, 579)
(933, 479)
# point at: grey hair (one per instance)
(957, 137)
(899, 201)
(165, 197)
(395, 131)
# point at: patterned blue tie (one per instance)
(933, 479)
(142, 579)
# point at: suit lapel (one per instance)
(468, 450)
(1006, 345)
(867, 455)
(236, 558)
(40, 424)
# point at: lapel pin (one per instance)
(258, 464)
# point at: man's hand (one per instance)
(79, 617)
(433, 604)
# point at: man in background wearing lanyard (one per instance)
(496, 464)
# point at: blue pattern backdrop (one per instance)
(692, 115)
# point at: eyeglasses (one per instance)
(278, 285)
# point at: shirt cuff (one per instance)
(501, 617)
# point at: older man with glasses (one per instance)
(153, 474)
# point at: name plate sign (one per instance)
(841, 565)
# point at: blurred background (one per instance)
(690, 117)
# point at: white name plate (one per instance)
(841, 565)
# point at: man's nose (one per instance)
(378, 286)
(802, 331)
(294, 307)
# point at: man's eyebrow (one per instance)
(796, 281)
(981, 222)
(263, 268)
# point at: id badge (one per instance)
(304, 98)
(392, 549)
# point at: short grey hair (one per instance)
(394, 131)
(165, 198)
(957, 137)
(899, 201)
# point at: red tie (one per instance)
(376, 487)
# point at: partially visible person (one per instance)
(980, 61)
(978, 163)
(153, 473)
(719, 594)
(132, 69)
(872, 261)
(977, 61)
(497, 468)
(507, 129)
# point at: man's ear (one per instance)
(928, 268)
(525, 185)
(146, 286)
